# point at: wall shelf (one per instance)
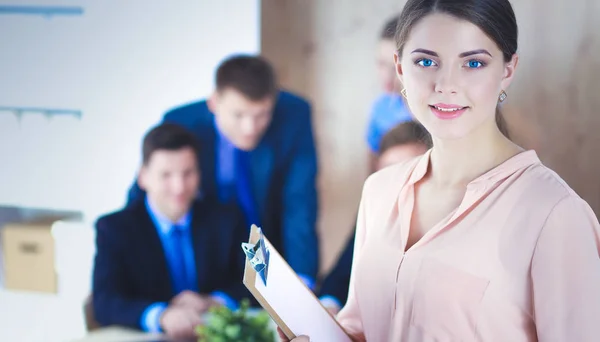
(48, 112)
(43, 11)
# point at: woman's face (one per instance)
(453, 74)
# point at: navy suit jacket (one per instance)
(337, 282)
(131, 270)
(284, 169)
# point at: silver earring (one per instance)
(403, 92)
(502, 96)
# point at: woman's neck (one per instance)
(457, 162)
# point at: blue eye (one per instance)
(475, 64)
(425, 62)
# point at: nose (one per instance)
(178, 184)
(446, 82)
(249, 127)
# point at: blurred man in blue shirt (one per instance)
(389, 109)
(161, 263)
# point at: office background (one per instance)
(114, 68)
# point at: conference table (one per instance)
(120, 334)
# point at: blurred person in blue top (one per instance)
(389, 109)
(259, 154)
(162, 262)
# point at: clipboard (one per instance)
(279, 290)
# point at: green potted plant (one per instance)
(225, 325)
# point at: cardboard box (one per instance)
(29, 254)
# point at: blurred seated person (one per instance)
(164, 261)
(404, 142)
(389, 109)
(259, 154)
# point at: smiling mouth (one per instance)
(447, 110)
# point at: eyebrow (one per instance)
(462, 55)
(427, 52)
(475, 52)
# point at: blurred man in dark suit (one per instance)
(162, 262)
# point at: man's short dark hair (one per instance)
(410, 132)
(170, 137)
(389, 30)
(252, 76)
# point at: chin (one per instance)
(446, 130)
(453, 132)
(248, 146)
(181, 207)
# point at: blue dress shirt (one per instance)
(176, 239)
(234, 178)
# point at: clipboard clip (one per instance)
(258, 255)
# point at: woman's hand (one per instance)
(283, 338)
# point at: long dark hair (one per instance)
(494, 17)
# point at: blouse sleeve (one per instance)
(565, 273)
(350, 317)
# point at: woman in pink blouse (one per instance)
(476, 240)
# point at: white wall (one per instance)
(123, 63)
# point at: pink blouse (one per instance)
(518, 260)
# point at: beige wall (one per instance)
(324, 49)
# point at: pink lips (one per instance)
(447, 111)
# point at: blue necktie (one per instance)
(244, 188)
(181, 280)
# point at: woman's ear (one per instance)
(509, 71)
(398, 65)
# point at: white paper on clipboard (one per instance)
(289, 302)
